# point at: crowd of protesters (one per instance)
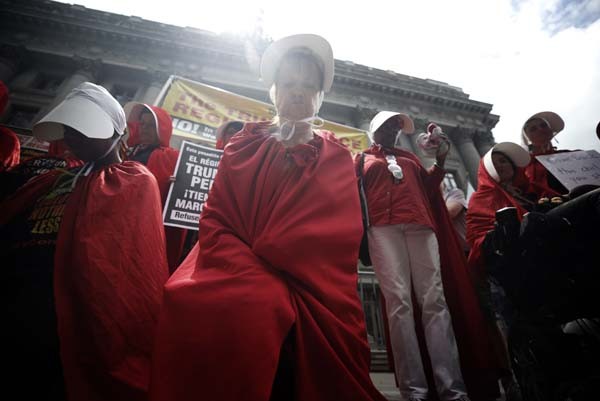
(102, 302)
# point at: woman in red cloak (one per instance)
(501, 183)
(150, 130)
(268, 309)
(84, 263)
(537, 133)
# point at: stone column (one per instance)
(157, 80)
(86, 70)
(462, 138)
(362, 117)
(484, 140)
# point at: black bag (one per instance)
(363, 253)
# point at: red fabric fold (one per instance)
(10, 149)
(110, 265)
(276, 262)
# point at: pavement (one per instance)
(386, 384)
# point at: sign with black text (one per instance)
(194, 175)
(573, 169)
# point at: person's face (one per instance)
(148, 134)
(297, 88)
(503, 166)
(386, 134)
(84, 148)
(538, 131)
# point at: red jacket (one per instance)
(400, 202)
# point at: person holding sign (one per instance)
(537, 133)
(150, 130)
(83, 263)
(266, 306)
(419, 264)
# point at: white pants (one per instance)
(406, 255)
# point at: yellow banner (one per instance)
(198, 110)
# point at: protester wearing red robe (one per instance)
(150, 130)
(495, 192)
(85, 262)
(10, 147)
(538, 132)
(501, 183)
(269, 310)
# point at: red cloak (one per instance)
(161, 163)
(481, 213)
(276, 265)
(477, 360)
(109, 269)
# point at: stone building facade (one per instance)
(48, 48)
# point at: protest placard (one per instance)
(573, 169)
(194, 175)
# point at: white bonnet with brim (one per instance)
(133, 111)
(89, 109)
(315, 44)
(381, 117)
(555, 122)
(517, 154)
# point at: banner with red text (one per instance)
(198, 110)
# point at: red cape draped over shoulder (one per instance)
(161, 163)
(477, 360)
(276, 262)
(109, 270)
(481, 213)
(10, 149)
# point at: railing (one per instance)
(368, 290)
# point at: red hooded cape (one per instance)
(276, 263)
(162, 164)
(481, 213)
(109, 268)
(10, 147)
(477, 360)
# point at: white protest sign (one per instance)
(573, 169)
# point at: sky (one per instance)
(522, 56)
